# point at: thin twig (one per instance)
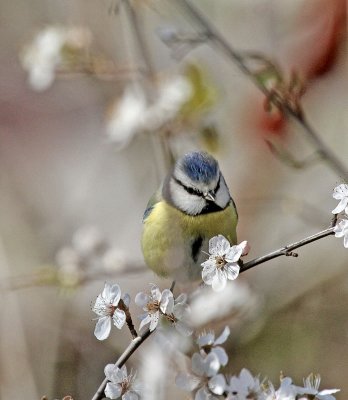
(129, 320)
(218, 39)
(134, 344)
(287, 250)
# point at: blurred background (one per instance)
(97, 98)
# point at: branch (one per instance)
(284, 251)
(134, 344)
(140, 38)
(129, 320)
(218, 39)
(287, 250)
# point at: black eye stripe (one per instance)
(188, 189)
(194, 191)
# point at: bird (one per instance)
(192, 205)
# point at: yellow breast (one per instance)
(168, 235)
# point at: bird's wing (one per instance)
(155, 198)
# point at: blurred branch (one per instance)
(140, 37)
(287, 250)
(50, 277)
(287, 158)
(101, 69)
(149, 74)
(214, 36)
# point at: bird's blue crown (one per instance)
(199, 166)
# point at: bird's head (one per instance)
(196, 185)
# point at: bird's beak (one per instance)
(208, 196)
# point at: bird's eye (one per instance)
(189, 189)
(193, 191)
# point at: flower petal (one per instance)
(197, 364)
(102, 328)
(187, 382)
(210, 263)
(146, 320)
(223, 337)
(205, 339)
(340, 191)
(154, 321)
(325, 392)
(203, 394)
(156, 293)
(141, 299)
(126, 299)
(112, 293)
(99, 306)
(221, 355)
(232, 271)
(109, 371)
(211, 364)
(116, 294)
(130, 395)
(167, 302)
(246, 378)
(119, 318)
(219, 281)
(218, 245)
(113, 390)
(180, 310)
(345, 241)
(208, 274)
(114, 374)
(341, 206)
(182, 298)
(234, 253)
(217, 384)
(123, 371)
(183, 329)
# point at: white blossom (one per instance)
(341, 230)
(88, 240)
(127, 116)
(134, 114)
(203, 378)
(179, 315)
(341, 193)
(106, 307)
(154, 303)
(239, 300)
(286, 391)
(222, 263)
(208, 344)
(243, 387)
(41, 58)
(121, 384)
(114, 259)
(172, 94)
(311, 387)
(87, 255)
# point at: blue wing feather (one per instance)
(155, 198)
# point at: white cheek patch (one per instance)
(186, 202)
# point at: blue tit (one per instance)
(192, 205)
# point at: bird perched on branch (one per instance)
(192, 205)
